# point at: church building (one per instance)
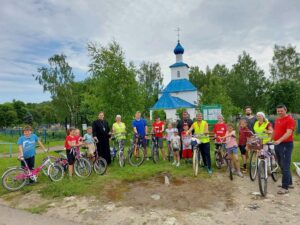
(180, 92)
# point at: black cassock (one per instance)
(101, 131)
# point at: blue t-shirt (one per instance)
(28, 144)
(88, 138)
(140, 126)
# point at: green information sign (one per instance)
(211, 112)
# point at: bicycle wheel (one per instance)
(253, 165)
(136, 157)
(14, 179)
(82, 167)
(229, 167)
(274, 168)
(121, 159)
(100, 166)
(195, 162)
(218, 159)
(262, 179)
(45, 168)
(55, 172)
(155, 154)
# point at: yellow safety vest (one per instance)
(200, 130)
(120, 130)
(260, 131)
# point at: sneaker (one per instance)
(174, 163)
(282, 191)
(290, 186)
(244, 170)
(147, 158)
(178, 164)
(209, 171)
(239, 174)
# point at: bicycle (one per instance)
(228, 161)
(82, 166)
(197, 159)
(99, 163)
(266, 162)
(155, 149)
(15, 178)
(136, 155)
(254, 143)
(219, 154)
(119, 151)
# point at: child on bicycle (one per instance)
(187, 152)
(220, 129)
(89, 142)
(175, 145)
(72, 141)
(169, 134)
(232, 148)
(27, 143)
(244, 133)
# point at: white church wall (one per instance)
(183, 73)
(189, 96)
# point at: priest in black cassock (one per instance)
(101, 130)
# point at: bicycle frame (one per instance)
(32, 173)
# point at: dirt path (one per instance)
(10, 216)
(215, 200)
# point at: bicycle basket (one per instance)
(254, 143)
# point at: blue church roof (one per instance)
(178, 49)
(180, 85)
(166, 101)
(179, 64)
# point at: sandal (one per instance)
(282, 191)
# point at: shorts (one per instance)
(175, 149)
(70, 157)
(187, 153)
(29, 161)
(160, 142)
(232, 150)
(90, 150)
(243, 149)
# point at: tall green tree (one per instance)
(114, 89)
(246, 83)
(58, 79)
(20, 109)
(150, 79)
(211, 85)
(285, 64)
(286, 92)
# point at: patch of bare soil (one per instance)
(171, 200)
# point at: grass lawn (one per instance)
(94, 184)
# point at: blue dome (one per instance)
(178, 49)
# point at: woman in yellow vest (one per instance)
(263, 128)
(119, 132)
(200, 127)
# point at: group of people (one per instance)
(179, 139)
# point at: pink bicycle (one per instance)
(15, 178)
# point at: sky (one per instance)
(212, 32)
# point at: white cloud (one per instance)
(212, 32)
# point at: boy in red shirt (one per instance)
(158, 128)
(220, 129)
(284, 143)
(71, 142)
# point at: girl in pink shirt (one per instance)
(232, 148)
